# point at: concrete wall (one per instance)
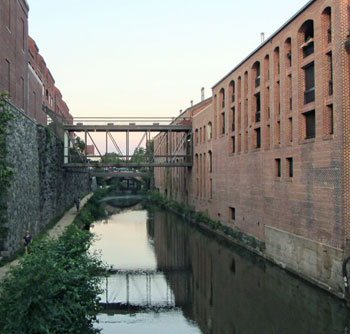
(40, 188)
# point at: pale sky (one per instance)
(129, 58)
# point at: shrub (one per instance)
(54, 289)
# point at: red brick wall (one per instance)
(13, 50)
(311, 202)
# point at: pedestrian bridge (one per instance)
(165, 127)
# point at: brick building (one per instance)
(23, 71)
(13, 51)
(271, 151)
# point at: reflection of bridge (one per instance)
(179, 156)
(109, 174)
(140, 289)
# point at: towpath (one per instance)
(55, 232)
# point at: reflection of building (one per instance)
(233, 291)
(271, 149)
(23, 71)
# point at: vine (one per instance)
(6, 172)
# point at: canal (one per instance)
(171, 278)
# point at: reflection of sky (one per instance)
(171, 322)
(123, 241)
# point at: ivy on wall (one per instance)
(6, 172)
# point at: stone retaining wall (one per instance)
(40, 188)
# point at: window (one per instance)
(222, 97)
(211, 189)
(307, 31)
(233, 144)
(23, 35)
(290, 167)
(278, 167)
(233, 118)
(329, 120)
(288, 50)
(8, 76)
(256, 70)
(22, 93)
(233, 213)
(330, 82)
(196, 136)
(257, 112)
(223, 126)
(258, 138)
(310, 126)
(232, 91)
(210, 162)
(8, 23)
(210, 134)
(309, 93)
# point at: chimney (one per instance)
(191, 103)
(202, 94)
(262, 37)
(180, 111)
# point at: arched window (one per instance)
(209, 131)
(232, 91)
(306, 33)
(288, 51)
(327, 25)
(222, 97)
(256, 73)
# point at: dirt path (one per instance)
(55, 232)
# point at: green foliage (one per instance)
(94, 209)
(54, 289)
(112, 158)
(79, 144)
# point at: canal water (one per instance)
(171, 278)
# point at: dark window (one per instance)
(309, 94)
(233, 213)
(233, 118)
(290, 166)
(210, 162)
(330, 83)
(223, 123)
(278, 167)
(233, 144)
(257, 113)
(310, 125)
(258, 137)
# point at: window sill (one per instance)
(308, 107)
(289, 179)
(328, 137)
(307, 60)
(307, 140)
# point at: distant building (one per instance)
(90, 150)
(271, 150)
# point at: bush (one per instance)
(54, 289)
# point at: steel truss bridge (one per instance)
(179, 155)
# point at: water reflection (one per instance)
(175, 279)
(236, 292)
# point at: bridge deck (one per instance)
(125, 128)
